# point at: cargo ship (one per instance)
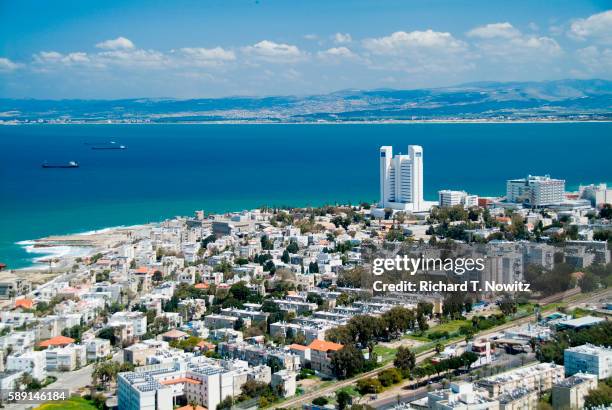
(71, 164)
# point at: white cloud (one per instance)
(216, 53)
(401, 42)
(274, 52)
(7, 65)
(53, 57)
(48, 56)
(494, 30)
(119, 43)
(342, 38)
(76, 58)
(134, 58)
(417, 52)
(502, 41)
(597, 26)
(311, 37)
(337, 52)
(207, 56)
(596, 60)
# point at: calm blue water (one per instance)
(171, 170)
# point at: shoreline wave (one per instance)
(63, 251)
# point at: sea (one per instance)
(175, 169)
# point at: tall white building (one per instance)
(401, 179)
(535, 190)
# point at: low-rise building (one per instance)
(65, 359)
(286, 379)
(540, 377)
(321, 352)
(32, 362)
(97, 349)
(461, 396)
(590, 359)
(569, 394)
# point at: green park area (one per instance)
(73, 403)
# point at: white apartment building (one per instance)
(589, 359)
(401, 179)
(535, 191)
(137, 320)
(540, 377)
(32, 362)
(97, 349)
(598, 194)
(448, 198)
(154, 387)
(64, 359)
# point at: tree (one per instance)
(293, 247)
(266, 244)
(108, 333)
(269, 267)
(240, 291)
(606, 211)
(425, 308)
(369, 385)
(405, 359)
(157, 276)
(389, 377)
(343, 399)
(347, 361)
(599, 397)
(439, 347)
(285, 256)
(422, 322)
(320, 401)
(226, 403)
(104, 373)
(507, 305)
(589, 282)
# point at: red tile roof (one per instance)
(57, 341)
(324, 345)
(181, 380)
(24, 303)
(174, 334)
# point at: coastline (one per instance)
(58, 252)
(365, 122)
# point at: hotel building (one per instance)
(535, 191)
(401, 179)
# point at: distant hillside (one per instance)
(557, 100)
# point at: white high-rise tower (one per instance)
(401, 179)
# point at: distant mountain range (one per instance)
(552, 100)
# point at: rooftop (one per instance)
(324, 346)
(57, 341)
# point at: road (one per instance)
(298, 401)
(72, 381)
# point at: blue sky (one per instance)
(186, 49)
